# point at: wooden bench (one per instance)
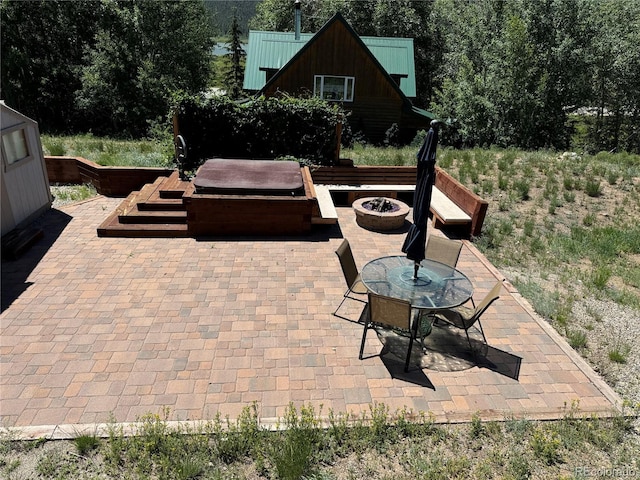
(327, 214)
(469, 202)
(445, 211)
(452, 203)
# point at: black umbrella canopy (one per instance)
(414, 243)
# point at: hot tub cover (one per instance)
(249, 177)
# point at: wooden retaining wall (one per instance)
(121, 181)
(364, 175)
(109, 181)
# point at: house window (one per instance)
(14, 146)
(339, 89)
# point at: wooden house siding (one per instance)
(337, 51)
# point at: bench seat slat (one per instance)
(364, 187)
(328, 214)
(446, 210)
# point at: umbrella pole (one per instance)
(416, 266)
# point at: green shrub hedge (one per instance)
(261, 128)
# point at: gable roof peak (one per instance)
(273, 51)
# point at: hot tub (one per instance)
(249, 177)
(250, 197)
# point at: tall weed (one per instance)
(292, 451)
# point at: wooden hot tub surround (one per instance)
(170, 207)
(251, 214)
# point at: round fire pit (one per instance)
(380, 213)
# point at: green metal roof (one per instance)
(272, 50)
(422, 112)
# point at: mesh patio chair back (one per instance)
(486, 302)
(390, 313)
(464, 317)
(351, 275)
(348, 264)
(443, 250)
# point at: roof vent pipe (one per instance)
(297, 20)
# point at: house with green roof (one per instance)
(373, 78)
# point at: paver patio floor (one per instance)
(94, 329)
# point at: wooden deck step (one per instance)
(157, 203)
(145, 214)
(156, 200)
(128, 203)
(173, 187)
(153, 216)
(167, 195)
(146, 230)
(149, 189)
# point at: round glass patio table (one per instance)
(437, 286)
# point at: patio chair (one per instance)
(351, 275)
(390, 313)
(443, 250)
(464, 318)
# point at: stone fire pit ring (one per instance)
(374, 220)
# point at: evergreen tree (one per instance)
(235, 74)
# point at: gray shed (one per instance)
(24, 184)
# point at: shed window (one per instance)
(338, 89)
(14, 144)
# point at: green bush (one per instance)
(522, 187)
(593, 187)
(600, 276)
(261, 128)
(54, 147)
(233, 441)
(546, 446)
(85, 443)
(292, 452)
(577, 338)
(529, 227)
(619, 353)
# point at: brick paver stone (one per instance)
(96, 328)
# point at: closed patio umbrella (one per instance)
(414, 243)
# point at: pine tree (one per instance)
(235, 75)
